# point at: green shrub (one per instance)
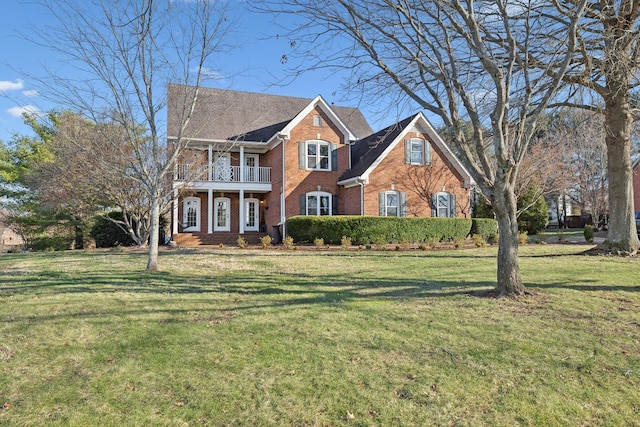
(50, 243)
(589, 233)
(535, 218)
(377, 230)
(107, 234)
(484, 227)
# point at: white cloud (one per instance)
(18, 111)
(6, 85)
(31, 93)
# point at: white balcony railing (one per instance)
(219, 173)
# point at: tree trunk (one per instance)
(505, 207)
(154, 226)
(622, 232)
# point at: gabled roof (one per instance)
(229, 115)
(368, 152)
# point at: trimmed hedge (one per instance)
(373, 229)
(484, 227)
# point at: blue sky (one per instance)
(254, 66)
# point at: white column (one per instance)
(210, 163)
(210, 212)
(242, 212)
(174, 226)
(241, 164)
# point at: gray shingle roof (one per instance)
(365, 151)
(246, 116)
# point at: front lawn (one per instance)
(317, 338)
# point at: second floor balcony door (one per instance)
(222, 168)
(251, 168)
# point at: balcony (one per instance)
(223, 174)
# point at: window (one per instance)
(318, 155)
(392, 203)
(191, 214)
(317, 120)
(317, 203)
(417, 151)
(443, 205)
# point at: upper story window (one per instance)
(318, 155)
(417, 151)
(317, 120)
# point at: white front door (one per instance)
(222, 214)
(191, 214)
(251, 214)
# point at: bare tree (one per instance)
(124, 55)
(457, 59)
(606, 68)
(577, 140)
(426, 181)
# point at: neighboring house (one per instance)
(10, 241)
(255, 160)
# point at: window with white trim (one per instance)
(317, 120)
(443, 205)
(392, 203)
(318, 203)
(417, 151)
(318, 155)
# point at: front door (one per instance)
(222, 214)
(251, 215)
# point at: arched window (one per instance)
(443, 205)
(317, 203)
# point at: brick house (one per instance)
(255, 160)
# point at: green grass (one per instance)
(268, 338)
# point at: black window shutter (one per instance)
(334, 157)
(452, 205)
(434, 205)
(407, 151)
(427, 153)
(302, 155)
(303, 204)
(334, 205)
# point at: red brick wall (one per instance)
(300, 181)
(393, 170)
